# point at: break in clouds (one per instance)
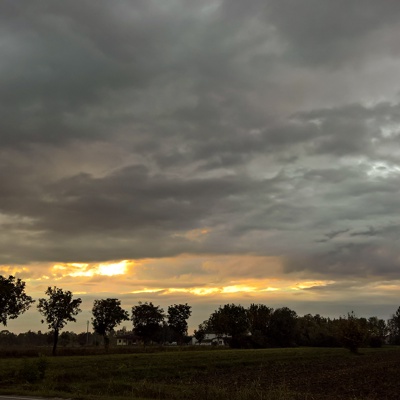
(138, 129)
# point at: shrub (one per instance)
(33, 370)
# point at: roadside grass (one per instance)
(270, 374)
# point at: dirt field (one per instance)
(300, 373)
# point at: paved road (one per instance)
(25, 398)
(19, 398)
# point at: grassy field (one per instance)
(279, 374)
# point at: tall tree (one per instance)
(13, 299)
(231, 320)
(259, 317)
(394, 327)
(178, 314)
(58, 309)
(107, 314)
(147, 321)
(377, 331)
(352, 331)
(282, 328)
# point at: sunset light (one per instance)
(112, 269)
(206, 152)
(88, 270)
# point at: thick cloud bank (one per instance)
(158, 128)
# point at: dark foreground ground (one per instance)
(278, 374)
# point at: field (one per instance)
(279, 374)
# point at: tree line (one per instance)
(59, 308)
(257, 326)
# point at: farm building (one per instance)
(210, 339)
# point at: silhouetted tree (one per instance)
(231, 320)
(66, 338)
(8, 338)
(13, 299)
(315, 330)
(107, 314)
(352, 332)
(58, 309)
(178, 314)
(394, 327)
(147, 321)
(377, 331)
(200, 333)
(282, 328)
(259, 317)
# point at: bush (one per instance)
(33, 370)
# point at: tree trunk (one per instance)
(106, 343)
(55, 341)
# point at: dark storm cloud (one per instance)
(133, 198)
(269, 124)
(331, 32)
(351, 130)
(371, 231)
(354, 259)
(332, 235)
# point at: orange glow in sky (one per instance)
(209, 276)
(197, 280)
(82, 269)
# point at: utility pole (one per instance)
(87, 333)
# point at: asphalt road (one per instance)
(19, 398)
(25, 398)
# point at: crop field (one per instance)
(299, 373)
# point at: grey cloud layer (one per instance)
(272, 125)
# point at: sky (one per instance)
(203, 152)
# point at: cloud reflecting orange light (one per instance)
(194, 235)
(12, 270)
(310, 284)
(88, 270)
(227, 276)
(233, 289)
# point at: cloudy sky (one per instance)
(202, 151)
